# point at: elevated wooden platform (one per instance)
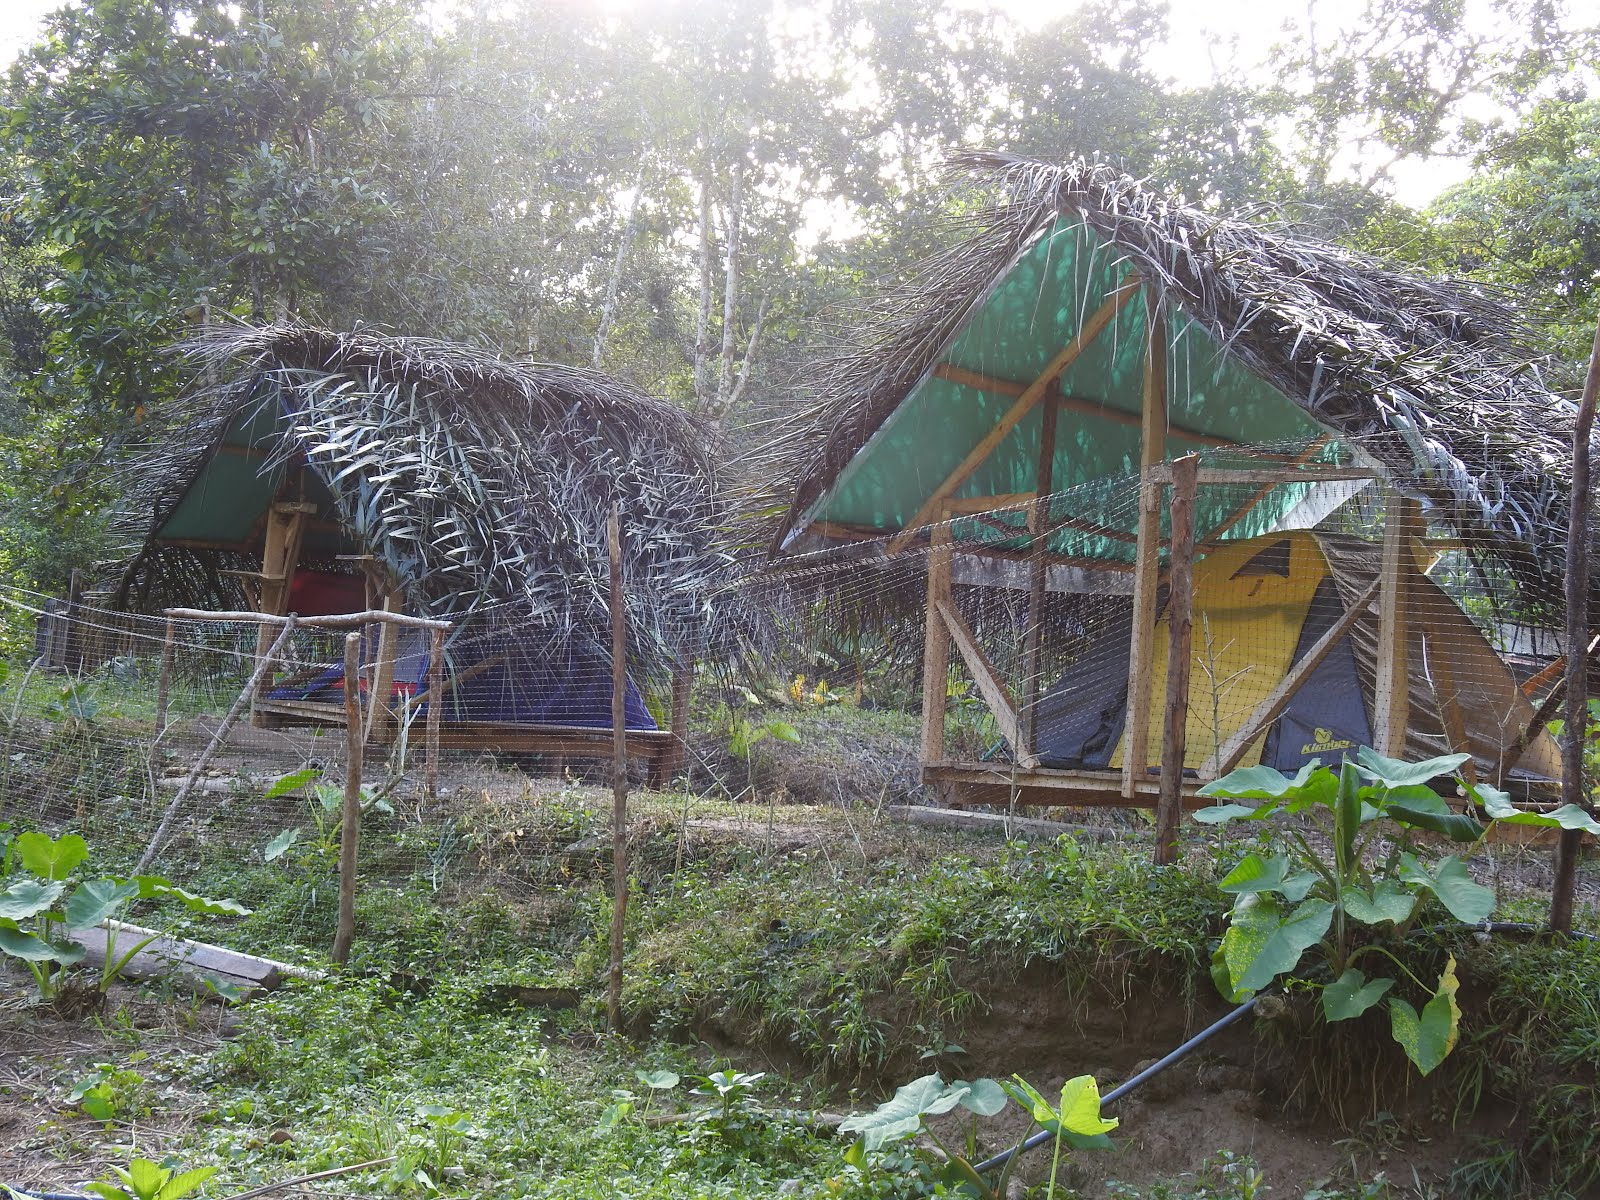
(967, 784)
(657, 747)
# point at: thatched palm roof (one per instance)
(483, 485)
(1430, 378)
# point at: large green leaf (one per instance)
(1079, 1111)
(1423, 808)
(1392, 772)
(33, 949)
(1449, 880)
(901, 1115)
(1274, 874)
(203, 904)
(28, 897)
(1429, 1036)
(982, 1096)
(1352, 994)
(1346, 818)
(1221, 814)
(293, 782)
(51, 858)
(1259, 782)
(1498, 805)
(1387, 901)
(279, 845)
(97, 899)
(1264, 941)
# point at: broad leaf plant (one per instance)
(1356, 900)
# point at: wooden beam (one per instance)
(994, 692)
(1513, 753)
(936, 646)
(1147, 560)
(983, 504)
(1392, 691)
(1087, 408)
(1031, 395)
(1266, 489)
(1275, 476)
(1270, 709)
(331, 621)
(380, 707)
(1038, 580)
(1180, 630)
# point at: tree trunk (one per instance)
(608, 310)
(702, 333)
(730, 286)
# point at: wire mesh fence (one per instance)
(1017, 631)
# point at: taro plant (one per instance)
(324, 807)
(40, 915)
(1074, 1121)
(1357, 899)
(145, 1180)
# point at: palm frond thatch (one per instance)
(483, 485)
(1432, 378)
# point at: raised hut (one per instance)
(318, 472)
(1098, 387)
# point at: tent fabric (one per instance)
(512, 684)
(1252, 623)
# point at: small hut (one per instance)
(316, 472)
(1021, 407)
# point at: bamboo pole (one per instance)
(430, 776)
(350, 826)
(619, 769)
(332, 621)
(164, 686)
(1574, 788)
(1180, 630)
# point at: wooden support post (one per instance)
(1447, 690)
(936, 646)
(1574, 787)
(1402, 521)
(619, 769)
(1038, 580)
(987, 679)
(1180, 628)
(72, 642)
(672, 759)
(164, 685)
(1147, 560)
(380, 704)
(280, 553)
(350, 823)
(435, 715)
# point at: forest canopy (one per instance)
(687, 195)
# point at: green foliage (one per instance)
(1346, 901)
(39, 915)
(145, 1180)
(325, 808)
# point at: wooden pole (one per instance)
(1147, 551)
(676, 754)
(936, 646)
(1180, 629)
(619, 768)
(381, 721)
(164, 686)
(430, 777)
(73, 642)
(1402, 520)
(350, 826)
(1574, 788)
(1038, 580)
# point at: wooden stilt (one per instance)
(670, 762)
(1038, 579)
(1180, 629)
(619, 770)
(435, 714)
(380, 704)
(1152, 450)
(936, 647)
(1402, 521)
(164, 685)
(350, 825)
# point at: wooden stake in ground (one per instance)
(619, 768)
(1180, 628)
(350, 824)
(263, 665)
(430, 778)
(1574, 788)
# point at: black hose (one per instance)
(18, 1194)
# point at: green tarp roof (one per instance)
(1019, 328)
